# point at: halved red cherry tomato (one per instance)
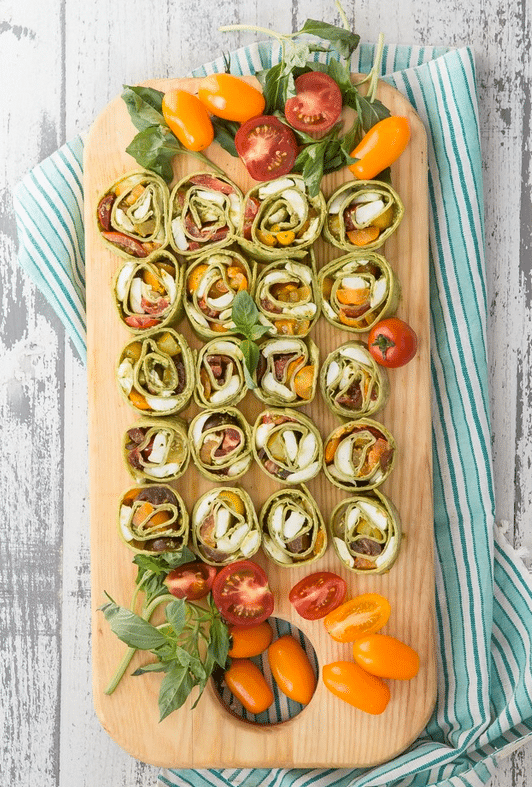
(386, 657)
(361, 615)
(392, 342)
(188, 119)
(267, 147)
(245, 680)
(317, 104)
(230, 97)
(351, 683)
(249, 641)
(382, 145)
(291, 669)
(242, 595)
(318, 594)
(191, 580)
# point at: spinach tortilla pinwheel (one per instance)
(287, 297)
(293, 530)
(205, 213)
(156, 372)
(156, 449)
(225, 526)
(287, 446)
(149, 294)
(357, 291)
(366, 533)
(132, 213)
(220, 379)
(287, 372)
(362, 214)
(212, 281)
(220, 443)
(352, 382)
(359, 455)
(280, 219)
(153, 519)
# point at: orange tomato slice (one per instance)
(365, 236)
(361, 615)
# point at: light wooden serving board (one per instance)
(328, 732)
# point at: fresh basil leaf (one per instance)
(244, 312)
(144, 105)
(258, 330)
(371, 112)
(155, 148)
(344, 41)
(175, 688)
(341, 74)
(219, 642)
(250, 352)
(224, 134)
(176, 615)
(274, 88)
(131, 628)
(155, 666)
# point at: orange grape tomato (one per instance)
(381, 146)
(291, 669)
(249, 641)
(188, 119)
(230, 98)
(386, 657)
(351, 683)
(361, 615)
(245, 680)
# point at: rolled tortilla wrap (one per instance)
(153, 519)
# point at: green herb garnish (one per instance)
(246, 318)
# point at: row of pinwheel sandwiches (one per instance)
(158, 373)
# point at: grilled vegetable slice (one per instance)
(352, 383)
(287, 372)
(149, 294)
(156, 449)
(205, 213)
(287, 446)
(220, 442)
(280, 219)
(220, 377)
(225, 526)
(359, 455)
(366, 533)
(156, 372)
(153, 519)
(287, 297)
(357, 290)
(131, 215)
(362, 214)
(212, 281)
(293, 530)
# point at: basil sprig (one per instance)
(155, 146)
(245, 316)
(187, 645)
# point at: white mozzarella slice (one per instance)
(125, 512)
(200, 318)
(225, 393)
(161, 404)
(198, 427)
(142, 206)
(125, 375)
(367, 196)
(157, 453)
(204, 507)
(309, 232)
(374, 514)
(271, 385)
(352, 518)
(338, 201)
(225, 348)
(123, 221)
(293, 524)
(169, 284)
(343, 458)
(135, 296)
(165, 470)
(354, 283)
(231, 542)
(126, 533)
(379, 291)
(239, 467)
(273, 277)
(345, 379)
(369, 211)
(328, 309)
(178, 233)
(290, 442)
(281, 346)
(390, 546)
(302, 271)
(304, 310)
(262, 433)
(223, 520)
(215, 197)
(235, 209)
(250, 543)
(276, 520)
(225, 314)
(222, 302)
(344, 552)
(275, 187)
(333, 373)
(205, 282)
(357, 354)
(308, 448)
(274, 551)
(122, 280)
(297, 202)
(304, 475)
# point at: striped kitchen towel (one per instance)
(484, 593)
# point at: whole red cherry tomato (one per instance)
(242, 595)
(316, 595)
(392, 342)
(188, 119)
(351, 683)
(191, 580)
(382, 145)
(230, 97)
(386, 657)
(317, 104)
(291, 669)
(267, 147)
(361, 615)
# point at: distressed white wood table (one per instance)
(61, 62)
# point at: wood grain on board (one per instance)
(208, 736)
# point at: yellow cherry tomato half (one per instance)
(351, 683)
(361, 615)
(291, 669)
(188, 119)
(230, 98)
(382, 145)
(386, 657)
(249, 641)
(245, 680)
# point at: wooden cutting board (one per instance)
(328, 732)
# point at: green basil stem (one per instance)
(373, 76)
(201, 157)
(342, 15)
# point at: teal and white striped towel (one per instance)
(483, 591)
